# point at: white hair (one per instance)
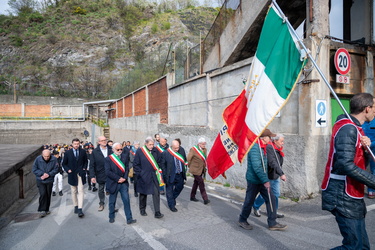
(116, 144)
(277, 137)
(148, 139)
(201, 140)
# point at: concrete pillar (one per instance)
(146, 105)
(133, 104)
(123, 107)
(314, 139)
(23, 107)
(209, 105)
(369, 73)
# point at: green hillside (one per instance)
(94, 49)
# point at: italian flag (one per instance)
(274, 72)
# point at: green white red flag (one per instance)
(274, 72)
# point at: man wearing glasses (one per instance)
(117, 171)
(97, 170)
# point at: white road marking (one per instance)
(154, 244)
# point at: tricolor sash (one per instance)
(132, 152)
(161, 150)
(200, 153)
(116, 160)
(154, 164)
(178, 156)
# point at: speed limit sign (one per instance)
(342, 61)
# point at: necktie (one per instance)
(178, 169)
(77, 154)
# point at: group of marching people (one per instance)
(151, 168)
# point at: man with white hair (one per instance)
(197, 167)
(146, 167)
(117, 171)
(45, 168)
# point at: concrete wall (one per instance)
(41, 100)
(42, 132)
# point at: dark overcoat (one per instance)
(146, 176)
(168, 165)
(78, 167)
(97, 169)
(113, 173)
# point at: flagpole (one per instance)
(317, 68)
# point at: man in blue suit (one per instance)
(173, 167)
(117, 171)
(75, 164)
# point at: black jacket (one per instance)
(275, 162)
(97, 169)
(168, 167)
(78, 167)
(335, 197)
(114, 173)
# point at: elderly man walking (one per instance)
(197, 167)
(117, 171)
(146, 167)
(97, 169)
(45, 168)
(173, 166)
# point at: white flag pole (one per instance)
(317, 68)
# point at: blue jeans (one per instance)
(372, 169)
(123, 188)
(251, 192)
(353, 231)
(275, 187)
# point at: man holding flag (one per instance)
(117, 171)
(173, 166)
(274, 72)
(258, 182)
(146, 167)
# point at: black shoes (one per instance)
(89, 188)
(135, 194)
(194, 199)
(245, 225)
(206, 202)
(60, 193)
(256, 212)
(162, 192)
(158, 215)
(111, 220)
(42, 214)
(143, 213)
(80, 213)
(173, 209)
(94, 189)
(76, 209)
(53, 193)
(131, 221)
(278, 227)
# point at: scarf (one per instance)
(278, 149)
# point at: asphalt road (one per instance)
(194, 226)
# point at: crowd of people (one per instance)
(109, 168)
(156, 167)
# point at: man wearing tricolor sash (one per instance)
(173, 167)
(346, 175)
(161, 147)
(117, 171)
(149, 176)
(197, 167)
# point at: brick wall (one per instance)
(37, 110)
(11, 110)
(151, 99)
(140, 102)
(129, 106)
(158, 99)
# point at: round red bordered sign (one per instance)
(342, 61)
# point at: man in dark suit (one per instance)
(117, 171)
(173, 167)
(146, 167)
(75, 164)
(97, 170)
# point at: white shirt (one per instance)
(104, 151)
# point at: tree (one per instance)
(23, 6)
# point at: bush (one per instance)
(16, 41)
(36, 18)
(80, 11)
(166, 26)
(154, 28)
